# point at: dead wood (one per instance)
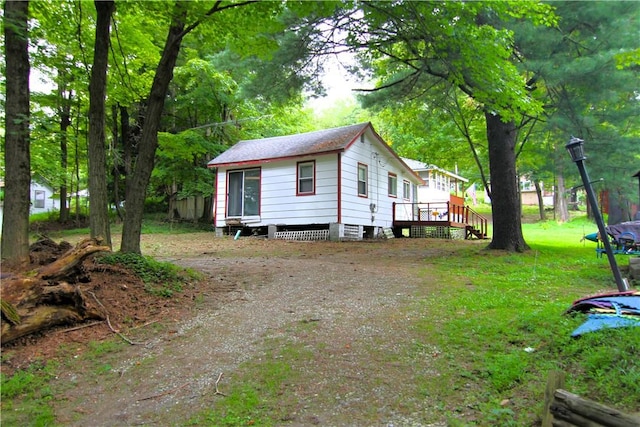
(49, 296)
(63, 265)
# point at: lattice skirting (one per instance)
(302, 235)
(437, 232)
(351, 232)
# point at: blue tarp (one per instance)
(614, 310)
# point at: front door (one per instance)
(244, 193)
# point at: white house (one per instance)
(41, 196)
(339, 183)
(440, 185)
(42, 199)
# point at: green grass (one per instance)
(501, 319)
(496, 320)
(26, 396)
(260, 398)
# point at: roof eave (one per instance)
(256, 162)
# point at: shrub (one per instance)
(160, 278)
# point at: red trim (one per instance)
(215, 200)
(339, 188)
(271, 160)
(366, 167)
(307, 193)
(404, 181)
(389, 175)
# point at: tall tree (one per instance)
(15, 225)
(585, 67)
(179, 27)
(411, 45)
(99, 202)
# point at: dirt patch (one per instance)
(111, 290)
(256, 293)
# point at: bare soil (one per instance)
(256, 294)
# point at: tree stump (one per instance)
(48, 296)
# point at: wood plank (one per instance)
(570, 407)
(555, 381)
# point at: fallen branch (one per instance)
(109, 322)
(121, 335)
(88, 325)
(218, 391)
(164, 393)
(151, 322)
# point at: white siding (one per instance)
(429, 193)
(44, 202)
(357, 210)
(279, 203)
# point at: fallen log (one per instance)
(571, 409)
(49, 296)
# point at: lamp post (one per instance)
(575, 148)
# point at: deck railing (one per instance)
(445, 212)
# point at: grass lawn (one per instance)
(499, 328)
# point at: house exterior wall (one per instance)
(377, 208)
(41, 199)
(280, 205)
(430, 193)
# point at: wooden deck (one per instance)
(445, 215)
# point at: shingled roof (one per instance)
(280, 147)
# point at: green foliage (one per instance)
(160, 278)
(26, 396)
(588, 94)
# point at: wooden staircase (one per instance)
(472, 232)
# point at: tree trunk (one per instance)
(138, 182)
(562, 211)
(65, 122)
(543, 215)
(99, 203)
(43, 299)
(207, 216)
(17, 156)
(505, 203)
(116, 161)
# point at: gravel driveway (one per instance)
(349, 304)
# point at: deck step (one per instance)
(387, 233)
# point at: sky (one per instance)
(339, 84)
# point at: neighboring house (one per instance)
(41, 196)
(42, 199)
(339, 182)
(439, 185)
(529, 196)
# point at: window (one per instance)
(306, 178)
(393, 184)
(363, 172)
(526, 185)
(244, 193)
(406, 190)
(39, 199)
